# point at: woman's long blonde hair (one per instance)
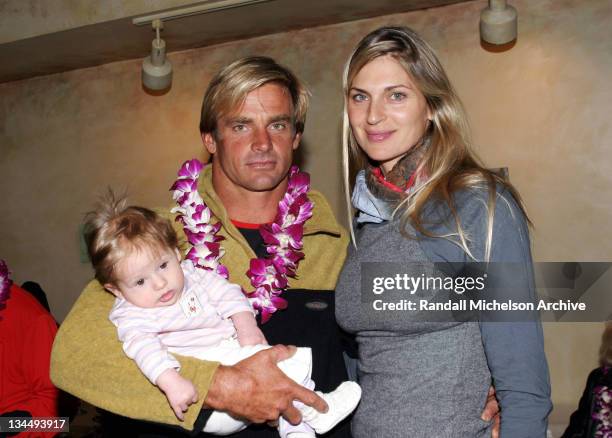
(449, 163)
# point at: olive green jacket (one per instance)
(88, 360)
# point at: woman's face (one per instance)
(387, 112)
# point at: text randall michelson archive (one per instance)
(479, 305)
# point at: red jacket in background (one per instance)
(27, 331)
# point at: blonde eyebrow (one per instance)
(389, 88)
(137, 276)
(398, 86)
(144, 272)
(281, 118)
(242, 120)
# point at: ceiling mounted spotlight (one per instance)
(156, 69)
(498, 23)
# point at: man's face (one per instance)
(254, 145)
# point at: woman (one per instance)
(421, 196)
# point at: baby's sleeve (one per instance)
(139, 335)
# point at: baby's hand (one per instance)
(252, 336)
(179, 391)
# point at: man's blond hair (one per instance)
(228, 89)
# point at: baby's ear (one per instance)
(112, 289)
(178, 255)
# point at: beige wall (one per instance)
(29, 18)
(542, 109)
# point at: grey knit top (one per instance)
(430, 379)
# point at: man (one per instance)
(252, 120)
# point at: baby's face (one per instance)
(149, 278)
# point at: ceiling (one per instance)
(89, 42)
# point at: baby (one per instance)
(166, 306)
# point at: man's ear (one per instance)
(112, 289)
(209, 142)
(296, 140)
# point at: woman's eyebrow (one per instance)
(390, 87)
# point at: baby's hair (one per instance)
(114, 229)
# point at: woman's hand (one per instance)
(491, 412)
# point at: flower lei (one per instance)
(5, 284)
(603, 408)
(283, 237)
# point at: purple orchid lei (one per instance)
(283, 237)
(603, 410)
(5, 284)
(195, 215)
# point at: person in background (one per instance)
(27, 331)
(38, 293)
(593, 418)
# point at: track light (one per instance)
(498, 23)
(204, 7)
(156, 69)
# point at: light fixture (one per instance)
(156, 69)
(498, 23)
(200, 8)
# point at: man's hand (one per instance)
(491, 412)
(256, 389)
(179, 391)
